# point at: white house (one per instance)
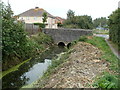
(35, 16)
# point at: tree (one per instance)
(15, 44)
(114, 27)
(44, 17)
(70, 14)
(14, 37)
(100, 22)
(83, 22)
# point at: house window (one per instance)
(35, 18)
(27, 18)
(21, 18)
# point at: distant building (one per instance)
(59, 20)
(35, 16)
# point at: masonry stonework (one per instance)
(66, 35)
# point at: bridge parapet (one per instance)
(66, 35)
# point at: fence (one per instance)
(32, 29)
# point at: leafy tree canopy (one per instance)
(70, 14)
(100, 22)
(44, 17)
(114, 26)
(72, 21)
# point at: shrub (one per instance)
(16, 46)
(41, 25)
(114, 26)
(42, 38)
(14, 38)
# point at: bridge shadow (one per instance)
(69, 45)
(62, 44)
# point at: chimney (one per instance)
(36, 7)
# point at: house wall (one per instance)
(50, 21)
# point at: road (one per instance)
(114, 50)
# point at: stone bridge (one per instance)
(66, 36)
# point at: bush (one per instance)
(83, 22)
(42, 38)
(16, 45)
(14, 38)
(114, 26)
(41, 25)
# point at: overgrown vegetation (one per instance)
(42, 39)
(107, 80)
(100, 23)
(41, 25)
(114, 26)
(72, 21)
(16, 45)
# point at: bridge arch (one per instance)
(61, 44)
(68, 45)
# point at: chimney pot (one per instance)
(36, 7)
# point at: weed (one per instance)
(107, 81)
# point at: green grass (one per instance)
(2, 74)
(114, 45)
(96, 31)
(107, 81)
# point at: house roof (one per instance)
(60, 19)
(36, 12)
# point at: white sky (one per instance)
(94, 8)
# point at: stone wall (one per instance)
(66, 35)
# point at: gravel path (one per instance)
(114, 50)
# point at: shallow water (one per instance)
(32, 70)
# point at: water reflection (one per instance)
(31, 70)
(36, 71)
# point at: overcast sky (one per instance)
(94, 8)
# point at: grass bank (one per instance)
(107, 79)
(96, 31)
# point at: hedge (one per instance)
(114, 27)
(41, 25)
